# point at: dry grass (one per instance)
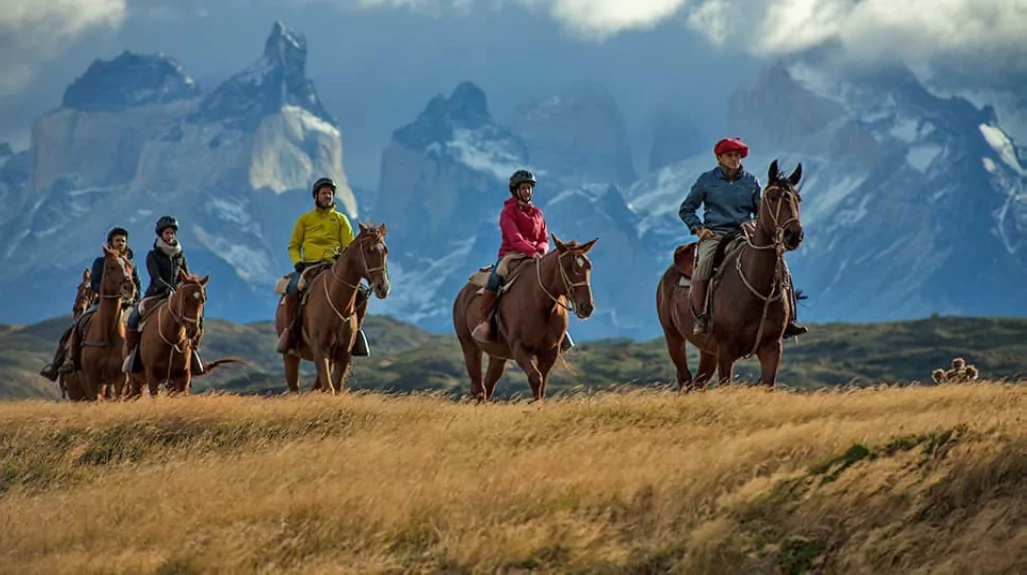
(734, 480)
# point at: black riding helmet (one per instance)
(166, 222)
(320, 183)
(520, 177)
(116, 231)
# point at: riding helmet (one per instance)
(320, 183)
(116, 231)
(520, 177)
(166, 222)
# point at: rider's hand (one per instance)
(704, 233)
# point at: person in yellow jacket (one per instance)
(316, 237)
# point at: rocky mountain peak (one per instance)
(275, 80)
(127, 81)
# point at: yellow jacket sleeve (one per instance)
(297, 240)
(345, 231)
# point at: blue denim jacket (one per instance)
(728, 203)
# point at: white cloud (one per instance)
(33, 31)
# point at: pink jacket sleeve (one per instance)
(512, 235)
(543, 243)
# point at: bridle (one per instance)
(367, 274)
(567, 283)
(180, 318)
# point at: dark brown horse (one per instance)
(71, 383)
(330, 317)
(531, 317)
(103, 335)
(172, 330)
(750, 299)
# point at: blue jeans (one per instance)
(494, 281)
(293, 289)
(133, 318)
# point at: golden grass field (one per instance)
(735, 480)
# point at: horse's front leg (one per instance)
(770, 360)
(524, 358)
(546, 361)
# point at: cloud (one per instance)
(34, 31)
(916, 31)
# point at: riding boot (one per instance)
(196, 366)
(49, 370)
(483, 331)
(793, 329)
(360, 347)
(131, 345)
(285, 341)
(567, 342)
(698, 301)
(72, 359)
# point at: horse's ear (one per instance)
(363, 228)
(205, 279)
(796, 175)
(588, 246)
(383, 229)
(557, 242)
(86, 274)
(773, 172)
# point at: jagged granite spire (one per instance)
(128, 81)
(277, 79)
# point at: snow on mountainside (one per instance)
(234, 166)
(912, 204)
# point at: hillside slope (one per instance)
(732, 481)
(407, 358)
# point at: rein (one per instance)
(104, 280)
(777, 244)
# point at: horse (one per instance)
(530, 316)
(71, 383)
(169, 333)
(103, 334)
(330, 317)
(749, 310)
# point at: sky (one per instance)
(376, 63)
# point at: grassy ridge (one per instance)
(406, 358)
(898, 480)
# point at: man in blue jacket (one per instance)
(731, 197)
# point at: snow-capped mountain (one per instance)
(913, 204)
(135, 139)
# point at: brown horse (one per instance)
(71, 383)
(531, 317)
(748, 289)
(171, 330)
(330, 317)
(103, 334)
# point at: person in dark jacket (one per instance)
(163, 263)
(117, 240)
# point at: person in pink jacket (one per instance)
(525, 235)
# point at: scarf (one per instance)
(170, 250)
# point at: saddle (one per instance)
(686, 255)
(309, 275)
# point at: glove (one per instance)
(298, 267)
(704, 233)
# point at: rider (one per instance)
(163, 263)
(317, 237)
(117, 240)
(525, 235)
(730, 195)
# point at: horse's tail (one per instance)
(209, 366)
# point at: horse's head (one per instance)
(374, 258)
(779, 207)
(188, 300)
(576, 273)
(117, 275)
(84, 296)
